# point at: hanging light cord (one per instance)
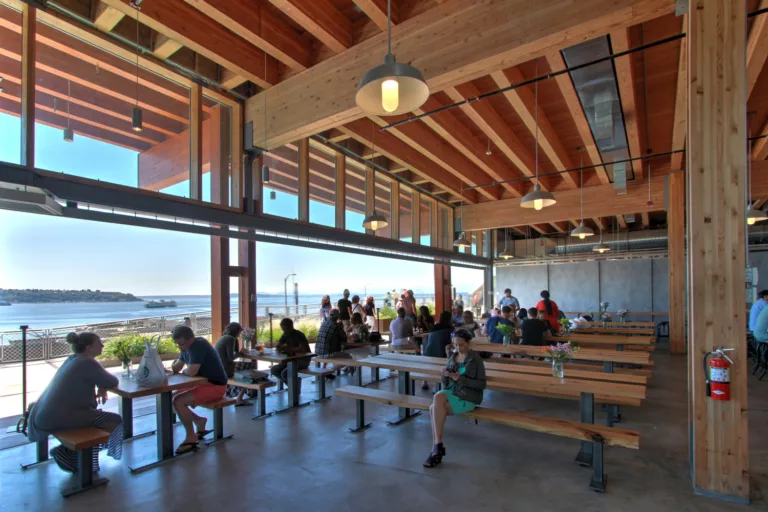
(137, 53)
(69, 100)
(581, 180)
(389, 27)
(536, 87)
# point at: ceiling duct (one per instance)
(624, 241)
(620, 178)
(28, 201)
(603, 101)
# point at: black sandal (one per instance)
(433, 460)
(192, 448)
(202, 433)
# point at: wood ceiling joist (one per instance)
(561, 227)
(760, 146)
(336, 135)
(544, 229)
(488, 120)
(321, 19)
(376, 10)
(261, 27)
(645, 220)
(401, 153)
(600, 223)
(621, 221)
(523, 101)
(455, 133)
(625, 76)
(106, 18)
(570, 96)
(757, 48)
(190, 27)
(426, 142)
(681, 103)
(163, 46)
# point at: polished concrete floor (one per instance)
(306, 460)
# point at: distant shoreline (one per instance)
(39, 296)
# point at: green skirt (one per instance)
(458, 405)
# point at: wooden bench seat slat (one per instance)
(82, 438)
(219, 404)
(255, 385)
(317, 371)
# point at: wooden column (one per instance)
(416, 217)
(434, 234)
(676, 249)
(28, 31)
(442, 288)
(394, 212)
(304, 180)
(370, 190)
(716, 245)
(236, 166)
(196, 142)
(246, 257)
(341, 190)
(218, 142)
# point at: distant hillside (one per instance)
(39, 296)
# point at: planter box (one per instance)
(382, 324)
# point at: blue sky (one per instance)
(38, 251)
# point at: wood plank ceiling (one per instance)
(247, 46)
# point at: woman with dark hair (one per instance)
(356, 307)
(325, 307)
(463, 383)
(70, 402)
(522, 314)
(426, 321)
(358, 330)
(370, 312)
(228, 348)
(549, 307)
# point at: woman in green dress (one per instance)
(463, 385)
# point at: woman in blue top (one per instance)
(325, 308)
(463, 383)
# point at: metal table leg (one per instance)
(164, 418)
(587, 406)
(294, 387)
(404, 388)
(599, 479)
(374, 370)
(125, 406)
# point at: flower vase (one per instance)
(621, 319)
(506, 341)
(127, 367)
(558, 370)
(605, 323)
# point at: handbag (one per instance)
(151, 371)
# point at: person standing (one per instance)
(370, 312)
(345, 309)
(757, 307)
(550, 309)
(356, 307)
(509, 300)
(409, 304)
(325, 307)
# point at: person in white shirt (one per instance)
(401, 329)
(509, 300)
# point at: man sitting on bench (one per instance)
(202, 360)
(331, 339)
(292, 343)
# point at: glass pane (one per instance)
(486, 243)
(322, 185)
(354, 198)
(384, 204)
(444, 227)
(406, 214)
(473, 238)
(93, 93)
(280, 193)
(425, 222)
(217, 152)
(10, 100)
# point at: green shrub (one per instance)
(132, 345)
(387, 312)
(309, 328)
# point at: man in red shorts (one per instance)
(201, 360)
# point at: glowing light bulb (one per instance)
(390, 95)
(750, 221)
(374, 225)
(538, 204)
(582, 236)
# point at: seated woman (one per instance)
(228, 348)
(358, 331)
(468, 323)
(70, 400)
(463, 382)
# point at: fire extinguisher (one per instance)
(718, 374)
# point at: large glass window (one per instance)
(406, 214)
(280, 193)
(425, 222)
(85, 99)
(444, 227)
(10, 99)
(486, 243)
(354, 198)
(322, 185)
(384, 204)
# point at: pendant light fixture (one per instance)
(582, 231)
(505, 254)
(272, 195)
(136, 115)
(375, 220)
(393, 87)
(462, 242)
(753, 215)
(537, 199)
(601, 247)
(69, 135)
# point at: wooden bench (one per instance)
(594, 436)
(320, 374)
(647, 372)
(218, 418)
(85, 442)
(261, 397)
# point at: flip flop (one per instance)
(192, 448)
(201, 435)
(243, 404)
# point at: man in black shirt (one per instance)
(535, 331)
(292, 343)
(345, 310)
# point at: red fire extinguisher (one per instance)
(718, 374)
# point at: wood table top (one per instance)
(519, 382)
(129, 388)
(604, 339)
(625, 331)
(584, 354)
(272, 356)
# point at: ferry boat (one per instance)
(160, 304)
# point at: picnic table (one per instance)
(608, 357)
(128, 389)
(615, 340)
(272, 356)
(626, 331)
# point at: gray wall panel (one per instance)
(525, 282)
(574, 286)
(626, 284)
(660, 286)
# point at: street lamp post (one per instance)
(285, 289)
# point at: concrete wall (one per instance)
(639, 285)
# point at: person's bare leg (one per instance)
(240, 396)
(442, 410)
(181, 403)
(432, 421)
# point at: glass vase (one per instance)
(507, 341)
(127, 367)
(558, 370)
(605, 323)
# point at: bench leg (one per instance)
(360, 423)
(41, 455)
(85, 479)
(598, 480)
(587, 406)
(218, 428)
(261, 404)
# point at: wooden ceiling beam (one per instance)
(163, 46)
(544, 229)
(600, 223)
(260, 27)
(456, 134)
(491, 124)
(523, 101)
(626, 81)
(436, 42)
(321, 19)
(335, 135)
(376, 10)
(561, 227)
(106, 18)
(426, 142)
(565, 84)
(401, 153)
(622, 222)
(681, 104)
(645, 220)
(757, 48)
(190, 27)
(760, 146)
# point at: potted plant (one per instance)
(560, 353)
(508, 331)
(249, 336)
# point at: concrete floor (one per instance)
(305, 460)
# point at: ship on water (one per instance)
(160, 304)
(4, 303)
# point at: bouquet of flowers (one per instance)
(508, 331)
(622, 313)
(249, 336)
(561, 352)
(605, 316)
(604, 306)
(565, 323)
